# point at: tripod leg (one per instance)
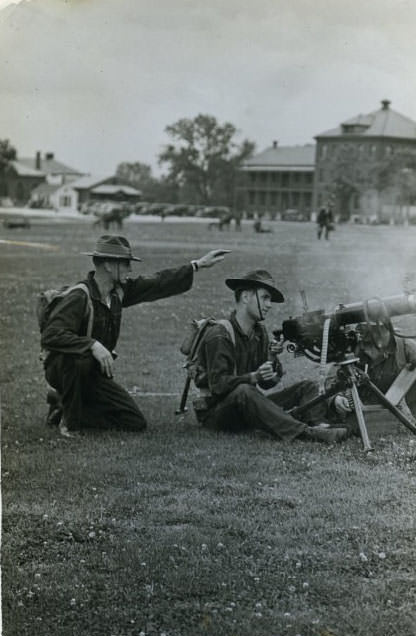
(360, 418)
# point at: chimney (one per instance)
(49, 156)
(37, 161)
(275, 144)
(385, 103)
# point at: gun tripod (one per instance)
(350, 378)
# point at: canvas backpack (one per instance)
(48, 301)
(193, 341)
(191, 346)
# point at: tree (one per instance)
(203, 159)
(397, 171)
(7, 154)
(139, 175)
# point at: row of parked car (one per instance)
(99, 208)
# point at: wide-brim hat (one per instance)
(256, 278)
(114, 247)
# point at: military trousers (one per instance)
(247, 408)
(90, 399)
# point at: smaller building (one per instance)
(35, 179)
(56, 172)
(54, 197)
(92, 188)
(117, 192)
(278, 179)
(18, 181)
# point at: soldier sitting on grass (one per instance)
(232, 366)
(80, 367)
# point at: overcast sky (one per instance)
(97, 81)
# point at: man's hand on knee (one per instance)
(104, 358)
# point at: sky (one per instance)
(97, 81)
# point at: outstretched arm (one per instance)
(167, 282)
(211, 258)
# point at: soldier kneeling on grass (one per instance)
(234, 363)
(79, 363)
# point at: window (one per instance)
(252, 197)
(253, 177)
(65, 201)
(324, 151)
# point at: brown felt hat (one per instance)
(256, 278)
(111, 246)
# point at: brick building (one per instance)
(349, 162)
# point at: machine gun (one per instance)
(333, 337)
(310, 333)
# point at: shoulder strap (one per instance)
(90, 309)
(229, 328)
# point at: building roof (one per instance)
(383, 122)
(48, 166)
(89, 181)
(113, 189)
(45, 188)
(283, 158)
(24, 171)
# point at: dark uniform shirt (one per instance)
(223, 366)
(66, 329)
(384, 366)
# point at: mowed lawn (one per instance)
(178, 531)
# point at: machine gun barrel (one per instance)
(375, 309)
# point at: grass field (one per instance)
(178, 531)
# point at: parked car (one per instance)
(294, 215)
(12, 222)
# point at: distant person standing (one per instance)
(325, 222)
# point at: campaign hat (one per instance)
(113, 247)
(256, 278)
